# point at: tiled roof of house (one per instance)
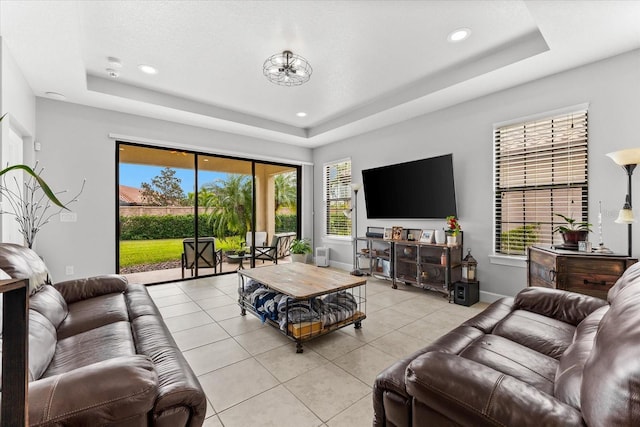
(130, 195)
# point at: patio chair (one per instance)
(284, 243)
(206, 255)
(279, 248)
(260, 236)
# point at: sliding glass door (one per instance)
(225, 197)
(245, 209)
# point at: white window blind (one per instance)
(337, 197)
(540, 170)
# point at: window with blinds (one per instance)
(337, 197)
(540, 170)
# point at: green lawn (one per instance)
(135, 252)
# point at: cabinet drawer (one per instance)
(591, 276)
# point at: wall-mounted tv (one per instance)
(421, 189)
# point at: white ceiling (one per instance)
(374, 62)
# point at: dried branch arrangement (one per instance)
(30, 202)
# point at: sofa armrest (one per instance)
(81, 289)
(470, 393)
(568, 307)
(102, 393)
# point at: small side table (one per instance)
(466, 293)
(15, 350)
(240, 258)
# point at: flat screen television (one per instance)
(420, 189)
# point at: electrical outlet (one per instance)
(68, 270)
(68, 217)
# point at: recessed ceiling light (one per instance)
(301, 114)
(55, 95)
(148, 69)
(459, 35)
(112, 73)
(205, 160)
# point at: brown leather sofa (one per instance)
(100, 353)
(544, 358)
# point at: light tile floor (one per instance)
(252, 374)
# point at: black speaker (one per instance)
(466, 293)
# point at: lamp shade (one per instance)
(356, 186)
(625, 217)
(630, 156)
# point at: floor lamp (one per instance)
(628, 159)
(355, 187)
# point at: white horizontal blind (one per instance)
(337, 197)
(540, 170)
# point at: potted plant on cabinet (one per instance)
(300, 250)
(453, 229)
(573, 231)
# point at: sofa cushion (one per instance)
(492, 315)
(139, 302)
(92, 346)
(571, 364)
(20, 262)
(91, 287)
(630, 276)
(611, 375)
(515, 360)
(540, 333)
(116, 392)
(568, 307)
(48, 302)
(42, 344)
(83, 314)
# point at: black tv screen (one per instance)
(418, 189)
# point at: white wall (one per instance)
(16, 95)
(612, 89)
(76, 145)
(17, 130)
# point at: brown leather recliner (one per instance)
(544, 358)
(100, 353)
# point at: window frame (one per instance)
(327, 200)
(558, 148)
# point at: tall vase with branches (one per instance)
(31, 201)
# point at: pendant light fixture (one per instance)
(287, 69)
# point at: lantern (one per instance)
(469, 266)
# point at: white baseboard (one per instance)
(490, 296)
(341, 265)
(485, 296)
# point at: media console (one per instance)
(428, 265)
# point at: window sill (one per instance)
(509, 260)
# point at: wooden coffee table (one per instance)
(303, 283)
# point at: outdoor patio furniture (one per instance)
(206, 255)
(279, 248)
(260, 236)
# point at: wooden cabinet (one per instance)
(586, 273)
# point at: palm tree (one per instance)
(231, 211)
(286, 190)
